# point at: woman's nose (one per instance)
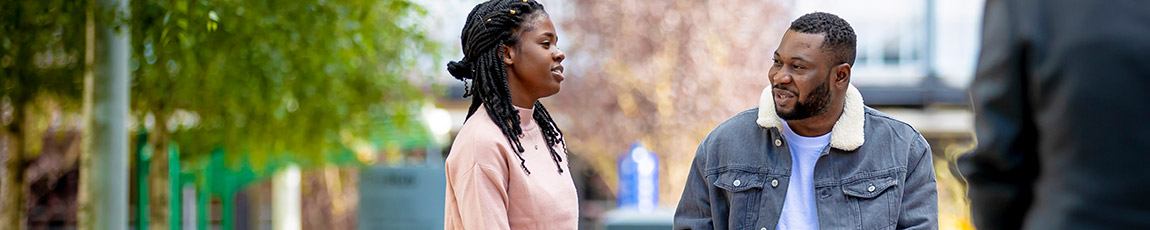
(559, 55)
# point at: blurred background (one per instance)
(337, 114)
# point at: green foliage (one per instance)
(252, 76)
(42, 50)
(41, 65)
(274, 77)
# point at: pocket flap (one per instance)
(869, 187)
(736, 181)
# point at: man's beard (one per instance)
(816, 103)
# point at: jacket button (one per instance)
(870, 189)
(774, 183)
(764, 228)
(778, 142)
(737, 182)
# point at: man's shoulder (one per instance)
(878, 118)
(882, 125)
(737, 126)
(735, 138)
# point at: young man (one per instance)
(811, 155)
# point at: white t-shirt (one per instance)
(799, 210)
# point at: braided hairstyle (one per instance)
(489, 27)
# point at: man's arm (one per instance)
(694, 210)
(1002, 169)
(920, 198)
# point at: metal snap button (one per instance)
(737, 182)
(778, 142)
(870, 189)
(774, 183)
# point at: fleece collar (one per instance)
(847, 134)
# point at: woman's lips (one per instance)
(557, 73)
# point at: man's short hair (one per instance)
(838, 36)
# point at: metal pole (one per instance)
(175, 220)
(928, 40)
(109, 146)
(143, 164)
(931, 84)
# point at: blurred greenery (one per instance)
(41, 50)
(273, 77)
(41, 57)
(41, 54)
(270, 79)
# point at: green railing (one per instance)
(218, 176)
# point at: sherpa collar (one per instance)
(847, 134)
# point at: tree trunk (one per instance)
(13, 214)
(334, 187)
(158, 184)
(17, 165)
(84, 208)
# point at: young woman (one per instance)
(506, 168)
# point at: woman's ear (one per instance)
(842, 75)
(507, 54)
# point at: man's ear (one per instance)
(841, 75)
(506, 53)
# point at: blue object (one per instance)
(638, 179)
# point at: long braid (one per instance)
(551, 133)
(489, 26)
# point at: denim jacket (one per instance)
(876, 173)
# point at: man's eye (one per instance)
(546, 44)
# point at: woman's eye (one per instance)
(546, 44)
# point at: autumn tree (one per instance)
(662, 72)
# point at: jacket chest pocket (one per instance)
(743, 191)
(876, 198)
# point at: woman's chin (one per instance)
(551, 91)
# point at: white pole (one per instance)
(286, 199)
(108, 191)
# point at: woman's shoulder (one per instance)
(480, 129)
(479, 141)
(480, 133)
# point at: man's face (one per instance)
(799, 77)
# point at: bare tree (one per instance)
(662, 72)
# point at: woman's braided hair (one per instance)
(489, 27)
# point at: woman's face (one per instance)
(533, 65)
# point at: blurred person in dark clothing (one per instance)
(1060, 102)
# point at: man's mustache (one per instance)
(796, 93)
